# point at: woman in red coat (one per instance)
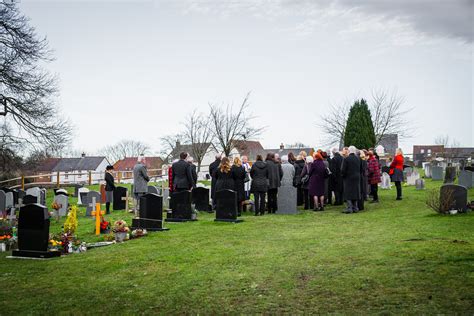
(373, 170)
(396, 172)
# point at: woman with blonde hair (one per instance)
(396, 171)
(224, 176)
(238, 172)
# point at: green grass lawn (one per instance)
(395, 257)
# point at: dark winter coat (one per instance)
(182, 175)
(212, 172)
(239, 177)
(109, 182)
(351, 169)
(335, 179)
(259, 174)
(275, 173)
(303, 173)
(363, 178)
(317, 172)
(194, 173)
(299, 165)
(224, 181)
(373, 171)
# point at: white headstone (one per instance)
(412, 177)
(386, 183)
(380, 150)
(81, 190)
(36, 192)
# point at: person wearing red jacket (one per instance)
(373, 170)
(396, 172)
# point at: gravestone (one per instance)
(20, 195)
(466, 178)
(450, 175)
(64, 202)
(82, 196)
(3, 202)
(30, 199)
(437, 173)
(412, 177)
(76, 190)
(92, 198)
(33, 233)
(427, 169)
(459, 195)
(166, 198)
(15, 193)
(102, 193)
(61, 192)
(43, 193)
(226, 206)
(9, 201)
(153, 189)
(119, 202)
(201, 199)
(151, 213)
(386, 182)
(36, 192)
(420, 184)
(287, 200)
(181, 209)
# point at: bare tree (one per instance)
(197, 132)
(388, 117)
(125, 148)
(228, 126)
(453, 145)
(296, 145)
(168, 145)
(26, 89)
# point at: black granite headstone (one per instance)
(119, 193)
(450, 174)
(181, 210)
(226, 206)
(30, 199)
(459, 196)
(201, 199)
(151, 213)
(33, 233)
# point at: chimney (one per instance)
(178, 144)
(282, 146)
(83, 155)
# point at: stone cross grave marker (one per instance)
(93, 197)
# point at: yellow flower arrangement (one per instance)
(70, 225)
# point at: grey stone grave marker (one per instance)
(36, 192)
(64, 202)
(466, 178)
(92, 198)
(82, 194)
(437, 173)
(459, 195)
(420, 184)
(287, 200)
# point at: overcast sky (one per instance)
(132, 69)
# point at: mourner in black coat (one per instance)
(239, 180)
(351, 170)
(259, 174)
(109, 188)
(182, 175)
(275, 173)
(212, 172)
(299, 165)
(363, 182)
(336, 182)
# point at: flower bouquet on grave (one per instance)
(121, 230)
(7, 238)
(104, 226)
(56, 207)
(139, 232)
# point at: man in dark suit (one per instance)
(336, 177)
(182, 175)
(190, 160)
(351, 169)
(212, 172)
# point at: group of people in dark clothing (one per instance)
(350, 175)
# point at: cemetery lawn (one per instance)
(395, 257)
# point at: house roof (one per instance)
(83, 163)
(248, 148)
(188, 148)
(47, 165)
(128, 163)
(286, 151)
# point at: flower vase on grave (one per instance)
(120, 236)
